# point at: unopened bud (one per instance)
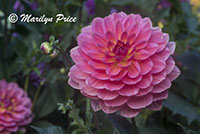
(46, 48)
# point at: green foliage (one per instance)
(49, 130)
(182, 107)
(187, 130)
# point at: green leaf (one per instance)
(45, 104)
(188, 131)
(104, 129)
(182, 107)
(74, 114)
(49, 130)
(121, 2)
(191, 22)
(186, 8)
(122, 124)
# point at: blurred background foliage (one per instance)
(58, 108)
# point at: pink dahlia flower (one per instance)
(123, 64)
(15, 108)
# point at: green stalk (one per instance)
(134, 126)
(26, 83)
(36, 96)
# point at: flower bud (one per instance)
(46, 48)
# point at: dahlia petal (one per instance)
(164, 54)
(97, 65)
(88, 90)
(157, 78)
(131, 39)
(157, 105)
(110, 46)
(145, 82)
(12, 129)
(171, 46)
(75, 54)
(107, 95)
(128, 22)
(101, 75)
(84, 67)
(118, 29)
(156, 35)
(128, 112)
(1, 128)
(107, 109)
(87, 29)
(140, 44)
(108, 60)
(95, 105)
(124, 37)
(147, 22)
(174, 74)
(170, 64)
(99, 39)
(83, 55)
(164, 85)
(146, 66)
(145, 91)
(158, 64)
(142, 54)
(151, 48)
(114, 69)
(118, 16)
(98, 25)
(125, 63)
(95, 83)
(129, 90)
(79, 74)
(111, 37)
(131, 81)
(144, 35)
(119, 76)
(160, 96)
(108, 24)
(140, 102)
(96, 54)
(114, 85)
(134, 70)
(118, 101)
(74, 84)
(134, 31)
(164, 43)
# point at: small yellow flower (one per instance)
(161, 24)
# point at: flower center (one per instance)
(120, 50)
(5, 104)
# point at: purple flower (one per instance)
(34, 5)
(18, 6)
(15, 34)
(90, 7)
(35, 78)
(113, 10)
(164, 4)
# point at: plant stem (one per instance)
(96, 121)
(63, 54)
(36, 95)
(134, 125)
(26, 83)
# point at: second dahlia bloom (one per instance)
(15, 108)
(123, 64)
